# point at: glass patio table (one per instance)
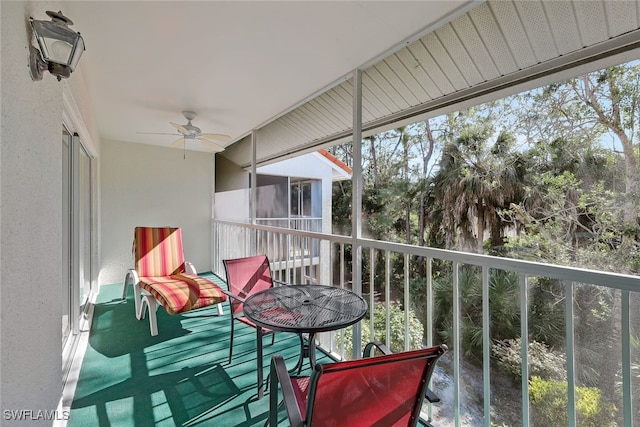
(303, 309)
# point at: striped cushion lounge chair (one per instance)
(162, 277)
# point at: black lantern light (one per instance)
(60, 47)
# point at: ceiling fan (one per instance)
(190, 132)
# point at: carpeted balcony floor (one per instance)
(181, 377)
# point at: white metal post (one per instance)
(356, 213)
(456, 343)
(486, 347)
(571, 379)
(253, 192)
(524, 347)
(626, 360)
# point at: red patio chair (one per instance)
(162, 277)
(245, 277)
(381, 391)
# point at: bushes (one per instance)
(548, 386)
(396, 320)
(542, 361)
(549, 404)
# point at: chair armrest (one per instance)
(189, 268)
(279, 374)
(370, 348)
(130, 279)
(431, 396)
(279, 282)
(134, 275)
(232, 295)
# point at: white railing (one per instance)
(312, 224)
(308, 257)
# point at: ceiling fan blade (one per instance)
(211, 144)
(216, 137)
(177, 143)
(180, 128)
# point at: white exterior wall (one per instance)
(144, 185)
(30, 223)
(314, 166)
(306, 166)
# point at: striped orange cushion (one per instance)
(183, 292)
(158, 251)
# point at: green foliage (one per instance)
(397, 327)
(549, 402)
(542, 361)
(504, 308)
(546, 316)
(476, 179)
(551, 175)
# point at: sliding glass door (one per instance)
(66, 237)
(76, 235)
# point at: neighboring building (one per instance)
(293, 194)
(288, 191)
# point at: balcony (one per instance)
(182, 376)
(346, 82)
(474, 390)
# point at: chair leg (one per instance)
(231, 342)
(153, 322)
(152, 306)
(130, 279)
(220, 310)
(126, 286)
(137, 298)
(273, 336)
(259, 363)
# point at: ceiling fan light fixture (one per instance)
(192, 133)
(193, 130)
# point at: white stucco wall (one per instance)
(30, 223)
(143, 185)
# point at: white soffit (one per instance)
(488, 51)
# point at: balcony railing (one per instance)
(390, 273)
(294, 222)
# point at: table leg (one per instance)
(259, 363)
(306, 351)
(300, 362)
(312, 350)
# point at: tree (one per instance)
(475, 181)
(612, 95)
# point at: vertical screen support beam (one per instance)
(356, 204)
(75, 234)
(253, 192)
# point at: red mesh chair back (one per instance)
(379, 391)
(158, 251)
(246, 276)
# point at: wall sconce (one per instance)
(60, 47)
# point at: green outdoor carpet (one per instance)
(181, 377)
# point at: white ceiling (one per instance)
(237, 64)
